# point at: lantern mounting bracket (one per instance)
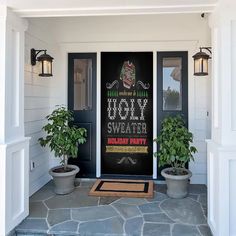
(206, 48)
(34, 53)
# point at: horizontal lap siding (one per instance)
(39, 101)
(202, 126)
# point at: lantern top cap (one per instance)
(45, 57)
(201, 55)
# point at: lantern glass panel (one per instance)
(198, 65)
(205, 66)
(47, 67)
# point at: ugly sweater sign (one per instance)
(126, 113)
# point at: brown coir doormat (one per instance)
(122, 188)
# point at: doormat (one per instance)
(122, 188)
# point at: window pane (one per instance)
(82, 84)
(172, 87)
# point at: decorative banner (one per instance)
(127, 149)
(127, 117)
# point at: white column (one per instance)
(14, 147)
(222, 147)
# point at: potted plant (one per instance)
(63, 138)
(175, 150)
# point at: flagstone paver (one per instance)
(197, 188)
(150, 208)
(132, 201)
(44, 193)
(65, 228)
(205, 230)
(160, 188)
(158, 197)
(185, 211)
(93, 213)
(193, 196)
(157, 217)
(86, 183)
(203, 200)
(109, 226)
(107, 200)
(151, 229)
(78, 198)
(127, 211)
(204, 211)
(33, 226)
(57, 216)
(185, 230)
(80, 214)
(38, 210)
(134, 226)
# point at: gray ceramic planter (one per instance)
(177, 185)
(64, 182)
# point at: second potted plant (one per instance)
(63, 138)
(175, 150)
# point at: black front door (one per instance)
(82, 101)
(172, 87)
(126, 113)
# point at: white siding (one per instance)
(40, 99)
(202, 124)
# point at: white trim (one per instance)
(154, 176)
(15, 183)
(14, 147)
(221, 207)
(108, 9)
(98, 118)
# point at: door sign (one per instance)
(127, 118)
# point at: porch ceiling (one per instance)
(45, 8)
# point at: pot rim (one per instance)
(73, 172)
(176, 177)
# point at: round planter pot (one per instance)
(64, 182)
(177, 185)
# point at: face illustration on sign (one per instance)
(127, 74)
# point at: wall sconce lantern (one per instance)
(45, 61)
(201, 62)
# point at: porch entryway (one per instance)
(79, 214)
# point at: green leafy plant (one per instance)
(174, 144)
(62, 137)
(171, 98)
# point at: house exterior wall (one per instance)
(127, 33)
(221, 148)
(41, 96)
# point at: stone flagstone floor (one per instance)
(79, 214)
